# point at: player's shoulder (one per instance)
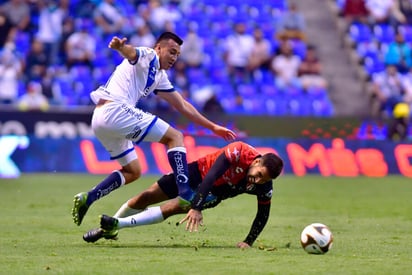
(145, 52)
(243, 146)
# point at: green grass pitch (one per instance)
(371, 219)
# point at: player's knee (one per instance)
(140, 201)
(131, 175)
(173, 138)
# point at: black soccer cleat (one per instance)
(108, 223)
(96, 234)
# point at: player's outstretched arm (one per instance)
(261, 218)
(189, 111)
(125, 50)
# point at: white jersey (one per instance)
(128, 83)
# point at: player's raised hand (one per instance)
(225, 133)
(116, 43)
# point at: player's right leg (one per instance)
(176, 154)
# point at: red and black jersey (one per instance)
(221, 175)
(231, 181)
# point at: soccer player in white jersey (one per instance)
(118, 124)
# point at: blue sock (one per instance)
(112, 182)
(178, 162)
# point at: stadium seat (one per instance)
(373, 65)
(406, 31)
(384, 33)
(360, 33)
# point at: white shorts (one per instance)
(118, 126)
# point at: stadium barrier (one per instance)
(327, 157)
(32, 142)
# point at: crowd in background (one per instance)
(381, 35)
(246, 57)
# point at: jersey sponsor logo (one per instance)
(103, 192)
(135, 133)
(180, 177)
(132, 111)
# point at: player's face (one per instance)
(257, 174)
(168, 52)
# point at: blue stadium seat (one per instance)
(406, 31)
(276, 105)
(369, 48)
(359, 32)
(384, 33)
(373, 65)
(247, 90)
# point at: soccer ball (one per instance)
(316, 238)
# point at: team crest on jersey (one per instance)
(235, 153)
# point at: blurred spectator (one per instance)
(33, 99)
(310, 70)
(399, 53)
(384, 12)
(18, 12)
(142, 37)
(158, 16)
(405, 7)
(213, 106)
(7, 31)
(50, 27)
(108, 18)
(179, 76)
(285, 67)
(291, 24)
(387, 90)
(50, 88)
(67, 30)
(355, 11)
(11, 69)
(399, 122)
(81, 47)
(238, 48)
(192, 51)
(260, 55)
(36, 61)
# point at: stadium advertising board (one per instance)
(328, 157)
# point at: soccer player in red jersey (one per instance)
(234, 169)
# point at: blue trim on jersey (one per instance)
(147, 130)
(166, 91)
(151, 74)
(137, 57)
(122, 154)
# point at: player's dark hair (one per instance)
(169, 35)
(273, 163)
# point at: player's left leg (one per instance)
(128, 173)
(151, 215)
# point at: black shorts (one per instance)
(168, 183)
